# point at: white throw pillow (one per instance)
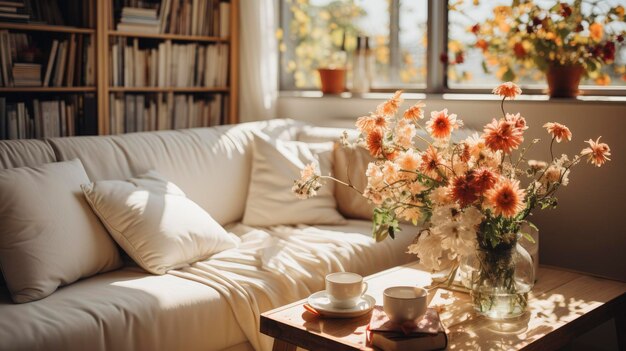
(48, 235)
(155, 223)
(276, 165)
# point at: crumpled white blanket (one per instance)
(274, 267)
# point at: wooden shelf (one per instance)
(47, 89)
(169, 89)
(45, 28)
(165, 36)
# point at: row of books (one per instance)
(179, 65)
(140, 113)
(76, 13)
(49, 118)
(69, 62)
(189, 17)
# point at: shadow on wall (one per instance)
(587, 230)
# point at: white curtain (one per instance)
(258, 60)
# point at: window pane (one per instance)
(506, 53)
(312, 33)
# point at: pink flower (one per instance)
(507, 90)
(441, 125)
(598, 152)
(558, 131)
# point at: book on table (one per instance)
(425, 333)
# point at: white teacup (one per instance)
(404, 303)
(344, 289)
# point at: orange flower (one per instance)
(506, 198)
(558, 131)
(390, 107)
(598, 152)
(507, 90)
(482, 44)
(375, 143)
(596, 31)
(415, 112)
(463, 190)
(483, 180)
(502, 135)
(367, 124)
(441, 125)
(430, 162)
(603, 79)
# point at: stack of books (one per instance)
(141, 20)
(74, 115)
(13, 11)
(178, 65)
(424, 334)
(131, 113)
(26, 74)
(187, 17)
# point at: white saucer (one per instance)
(321, 303)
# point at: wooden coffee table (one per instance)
(562, 305)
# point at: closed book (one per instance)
(3, 118)
(90, 115)
(12, 129)
(50, 65)
(425, 333)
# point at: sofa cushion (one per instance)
(24, 153)
(122, 310)
(276, 165)
(155, 223)
(350, 166)
(211, 165)
(49, 236)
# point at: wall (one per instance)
(587, 232)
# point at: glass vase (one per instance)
(500, 279)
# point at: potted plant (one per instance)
(467, 195)
(566, 42)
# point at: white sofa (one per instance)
(129, 309)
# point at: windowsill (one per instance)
(313, 94)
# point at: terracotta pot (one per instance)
(563, 80)
(333, 80)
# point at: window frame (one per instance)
(436, 71)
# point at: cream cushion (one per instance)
(49, 236)
(276, 164)
(155, 223)
(350, 167)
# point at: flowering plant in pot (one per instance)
(566, 41)
(467, 196)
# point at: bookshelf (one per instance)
(100, 26)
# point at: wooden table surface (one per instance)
(562, 305)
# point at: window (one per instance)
(323, 33)
(471, 66)
(314, 32)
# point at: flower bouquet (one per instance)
(467, 195)
(565, 41)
